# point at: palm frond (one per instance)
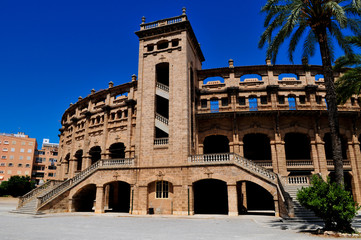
(295, 39)
(348, 85)
(309, 45)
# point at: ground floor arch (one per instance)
(254, 199)
(83, 200)
(117, 197)
(210, 197)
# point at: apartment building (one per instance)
(17, 155)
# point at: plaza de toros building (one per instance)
(174, 140)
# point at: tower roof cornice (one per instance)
(170, 25)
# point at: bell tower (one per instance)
(169, 57)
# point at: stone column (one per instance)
(232, 200)
(99, 200)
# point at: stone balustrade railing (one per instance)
(162, 86)
(69, 183)
(161, 118)
(345, 163)
(236, 159)
(119, 162)
(161, 141)
(299, 162)
(163, 22)
(263, 163)
(35, 192)
(296, 180)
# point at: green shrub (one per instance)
(330, 202)
(16, 186)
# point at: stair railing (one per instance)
(35, 192)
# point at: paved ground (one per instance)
(123, 226)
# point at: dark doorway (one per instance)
(216, 144)
(83, 200)
(257, 147)
(79, 159)
(297, 146)
(95, 154)
(162, 72)
(119, 197)
(257, 201)
(210, 197)
(117, 150)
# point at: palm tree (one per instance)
(319, 21)
(349, 83)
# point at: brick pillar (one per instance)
(72, 167)
(321, 157)
(200, 148)
(281, 155)
(357, 170)
(99, 200)
(86, 162)
(355, 177)
(314, 157)
(232, 200)
(274, 156)
(106, 193)
(241, 151)
(190, 200)
(140, 200)
(244, 196)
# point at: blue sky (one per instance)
(52, 52)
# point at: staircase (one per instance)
(31, 202)
(293, 184)
(28, 203)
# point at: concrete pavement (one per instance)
(123, 226)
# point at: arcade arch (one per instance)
(216, 144)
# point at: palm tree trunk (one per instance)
(331, 105)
